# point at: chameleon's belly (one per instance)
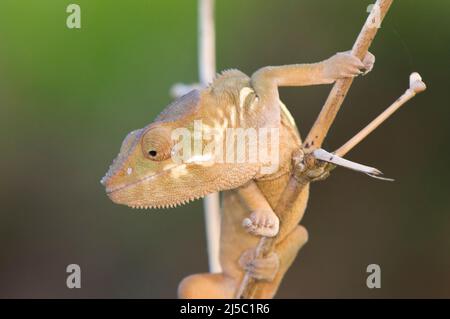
(235, 240)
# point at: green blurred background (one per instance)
(68, 97)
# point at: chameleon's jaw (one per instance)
(169, 188)
(177, 186)
(116, 197)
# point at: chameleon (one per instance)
(148, 172)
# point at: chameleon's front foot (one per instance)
(345, 65)
(264, 268)
(262, 223)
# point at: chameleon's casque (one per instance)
(145, 174)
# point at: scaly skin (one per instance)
(146, 175)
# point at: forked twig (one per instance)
(416, 85)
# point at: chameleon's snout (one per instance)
(107, 182)
(111, 179)
(121, 173)
(103, 182)
(114, 191)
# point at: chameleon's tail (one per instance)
(207, 286)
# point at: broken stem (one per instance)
(416, 85)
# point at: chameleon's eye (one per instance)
(157, 144)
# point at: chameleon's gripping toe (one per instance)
(262, 223)
(265, 268)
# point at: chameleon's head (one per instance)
(154, 169)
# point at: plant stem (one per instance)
(207, 71)
(340, 89)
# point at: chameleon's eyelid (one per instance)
(156, 147)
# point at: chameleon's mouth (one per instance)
(112, 190)
(165, 189)
(177, 184)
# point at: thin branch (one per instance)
(416, 85)
(207, 71)
(299, 180)
(340, 89)
(297, 183)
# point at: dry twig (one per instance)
(340, 89)
(416, 85)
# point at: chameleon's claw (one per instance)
(369, 62)
(262, 223)
(345, 65)
(264, 268)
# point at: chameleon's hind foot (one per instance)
(262, 223)
(264, 268)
